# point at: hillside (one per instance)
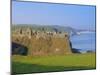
(67, 29)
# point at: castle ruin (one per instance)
(41, 42)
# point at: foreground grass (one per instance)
(36, 64)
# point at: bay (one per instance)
(84, 41)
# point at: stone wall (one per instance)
(43, 43)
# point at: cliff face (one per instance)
(40, 43)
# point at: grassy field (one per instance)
(37, 64)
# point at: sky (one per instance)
(76, 16)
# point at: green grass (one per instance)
(37, 64)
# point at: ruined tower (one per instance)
(46, 44)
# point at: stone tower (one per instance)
(46, 44)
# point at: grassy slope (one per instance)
(27, 64)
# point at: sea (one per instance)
(84, 41)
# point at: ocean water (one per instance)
(84, 41)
